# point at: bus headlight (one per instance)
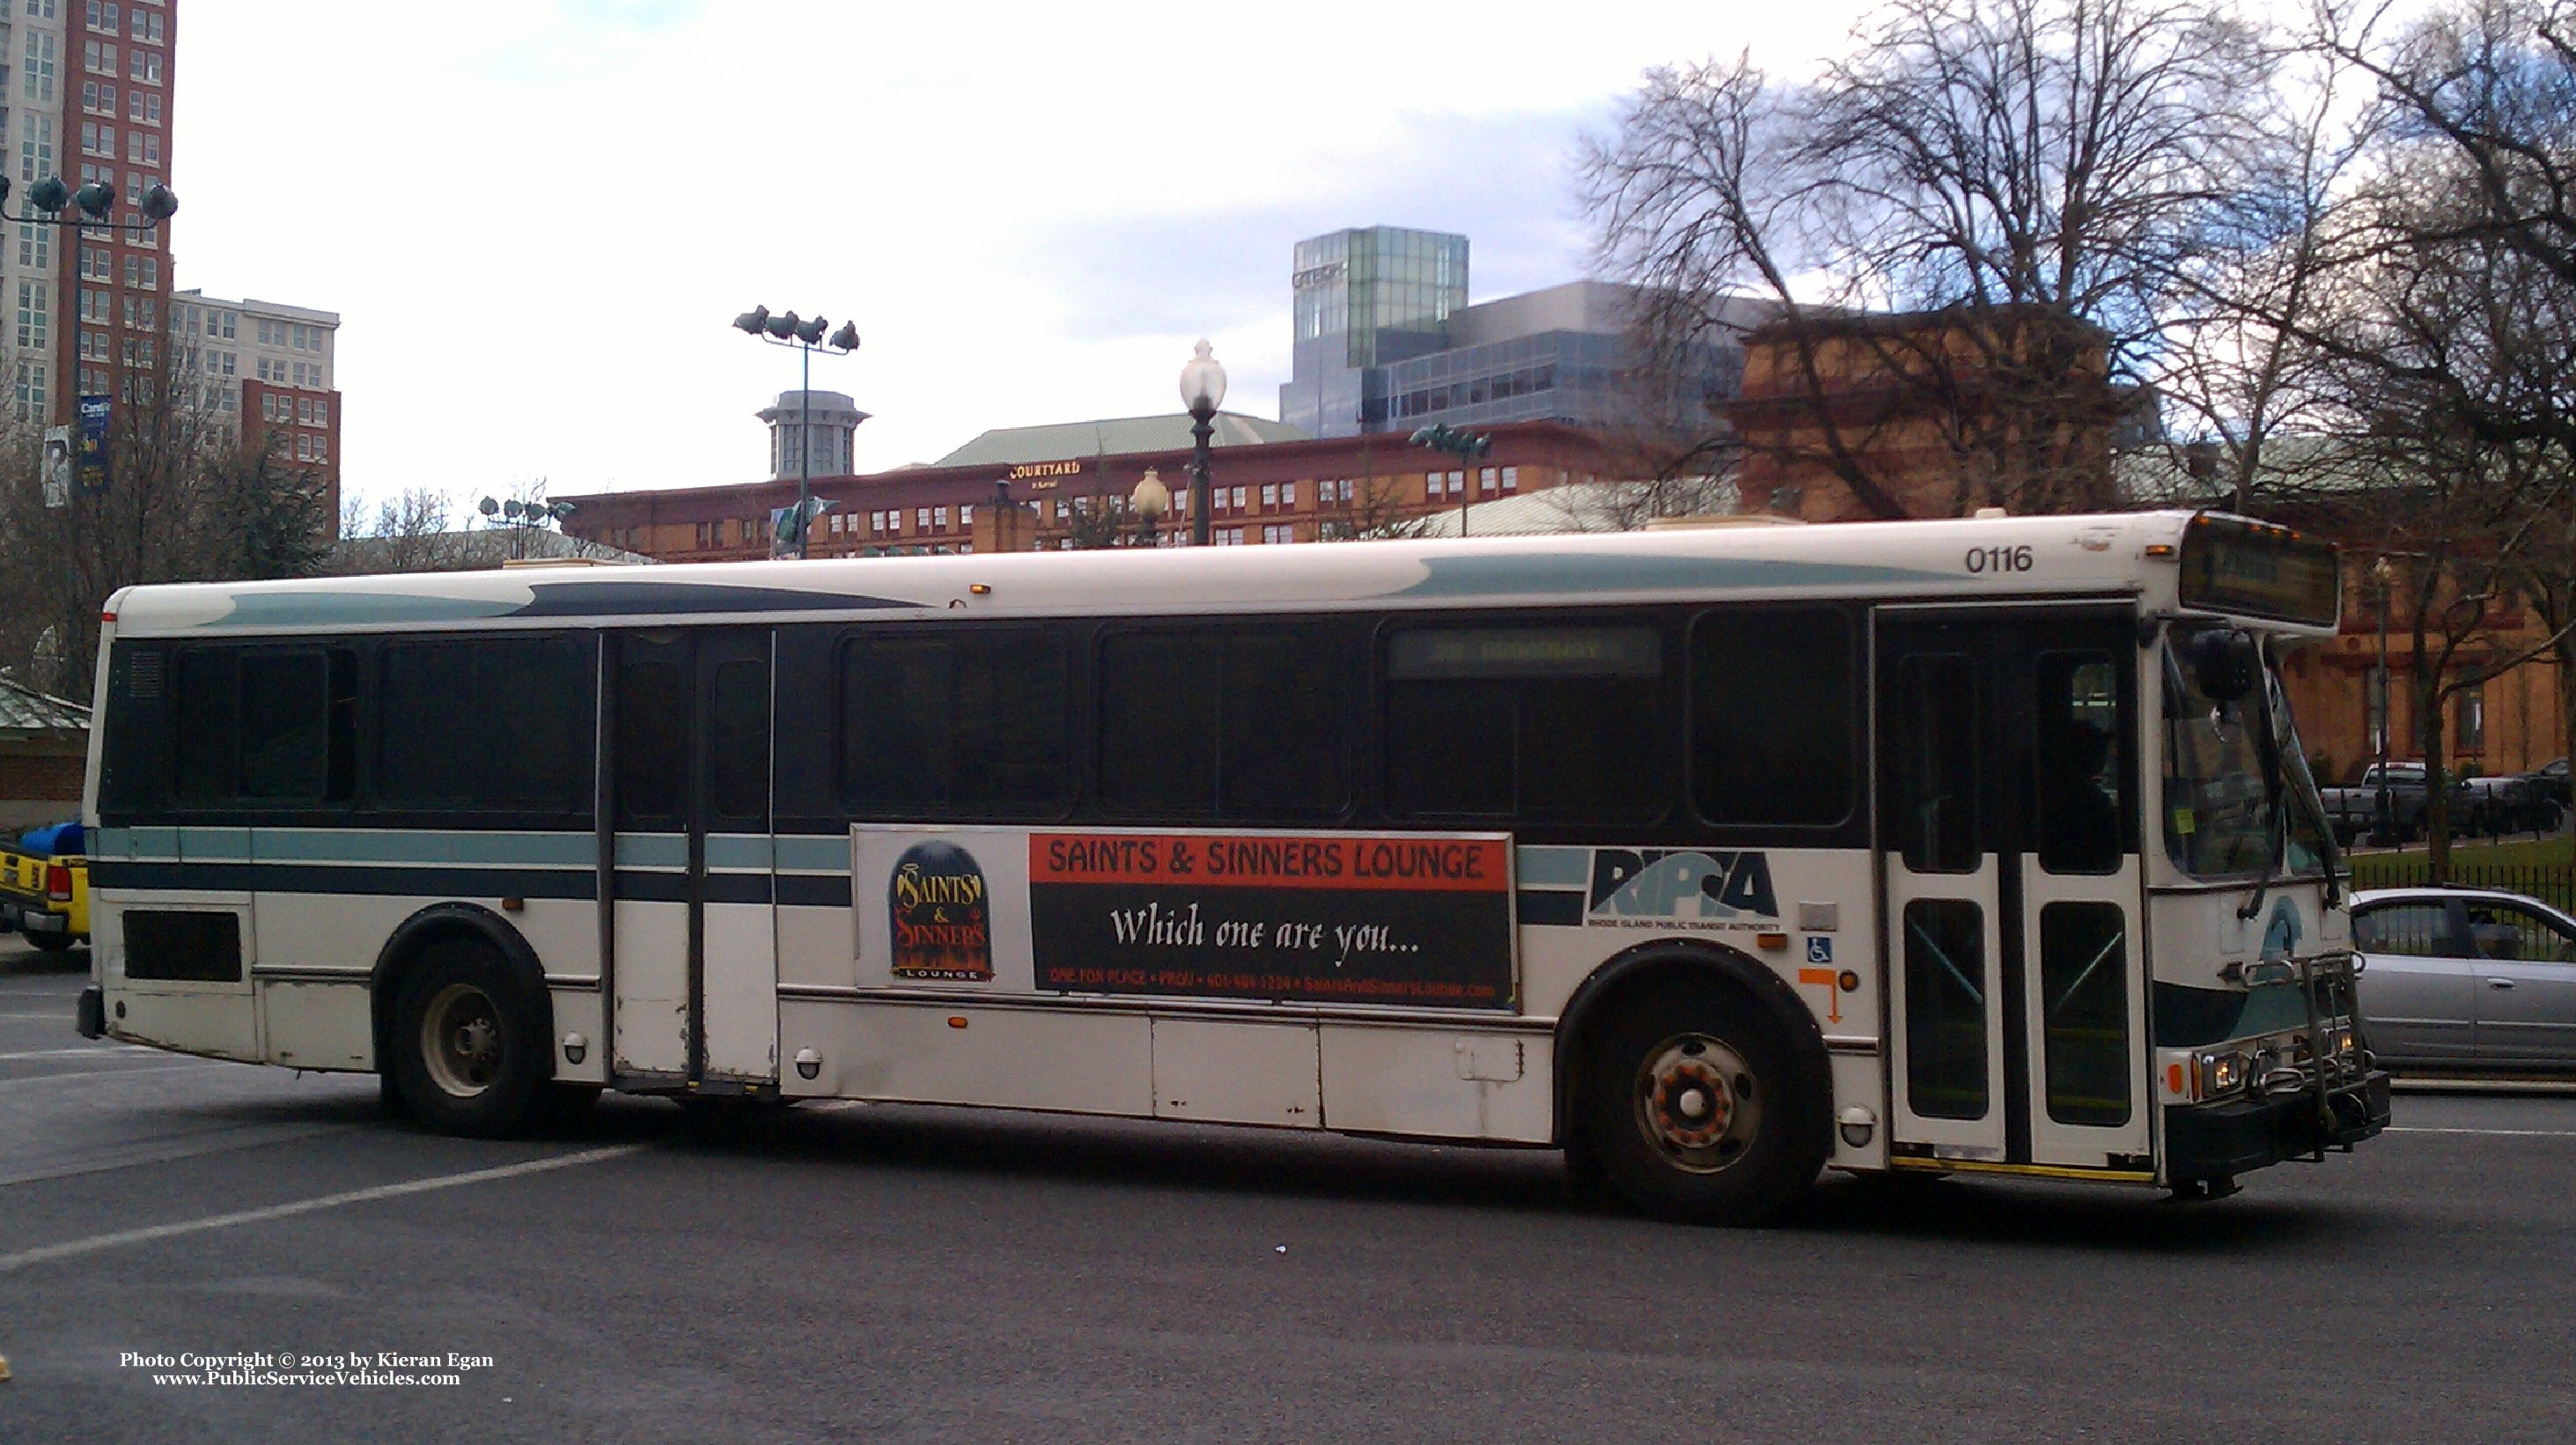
(2222, 1071)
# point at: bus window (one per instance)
(1247, 722)
(266, 728)
(738, 725)
(1945, 1008)
(1771, 718)
(1527, 722)
(2080, 818)
(653, 696)
(204, 698)
(971, 722)
(285, 715)
(486, 723)
(2084, 1036)
(1935, 812)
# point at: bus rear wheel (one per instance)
(470, 1054)
(1697, 1109)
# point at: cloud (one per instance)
(537, 217)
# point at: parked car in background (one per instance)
(2354, 810)
(2466, 978)
(2488, 806)
(2550, 781)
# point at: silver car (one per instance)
(2465, 978)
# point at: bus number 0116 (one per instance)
(1998, 559)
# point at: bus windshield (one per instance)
(2230, 811)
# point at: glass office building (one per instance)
(1365, 298)
(1386, 342)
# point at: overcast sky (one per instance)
(537, 217)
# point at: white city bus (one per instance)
(1712, 857)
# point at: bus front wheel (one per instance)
(1697, 1109)
(470, 1054)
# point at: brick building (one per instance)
(1066, 480)
(93, 101)
(1928, 414)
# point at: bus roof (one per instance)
(2099, 556)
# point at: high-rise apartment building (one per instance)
(259, 374)
(88, 99)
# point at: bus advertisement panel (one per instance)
(1422, 920)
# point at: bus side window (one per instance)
(1247, 722)
(968, 721)
(653, 705)
(1528, 722)
(2082, 827)
(1935, 718)
(266, 728)
(487, 723)
(204, 695)
(1771, 717)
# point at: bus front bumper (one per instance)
(2237, 1136)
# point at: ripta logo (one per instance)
(1685, 883)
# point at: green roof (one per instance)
(1116, 436)
(25, 712)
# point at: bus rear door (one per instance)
(695, 958)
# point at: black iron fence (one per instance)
(2551, 883)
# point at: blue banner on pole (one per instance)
(89, 448)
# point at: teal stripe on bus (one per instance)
(1553, 867)
(797, 854)
(652, 850)
(739, 850)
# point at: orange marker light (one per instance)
(2173, 1078)
(1772, 940)
(957, 1021)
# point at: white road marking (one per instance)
(116, 1073)
(98, 1242)
(103, 1050)
(2491, 1133)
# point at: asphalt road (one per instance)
(870, 1273)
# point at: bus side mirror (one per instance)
(2225, 663)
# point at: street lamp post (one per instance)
(1151, 499)
(805, 335)
(90, 205)
(1467, 447)
(1202, 392)
(520, 517)
(2384, 804)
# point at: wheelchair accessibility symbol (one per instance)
(1820, 950)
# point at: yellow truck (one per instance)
(44, 887)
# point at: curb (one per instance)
(2546, 1087)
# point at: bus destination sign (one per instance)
(1419, 919)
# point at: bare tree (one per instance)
(2030, 176)
(2452, 328)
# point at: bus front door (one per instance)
(2008, 818)
(694, 958)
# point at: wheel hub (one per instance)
(1696, 1102)
(461, 1040)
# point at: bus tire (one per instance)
(470, 1049)
(1697, 1106)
